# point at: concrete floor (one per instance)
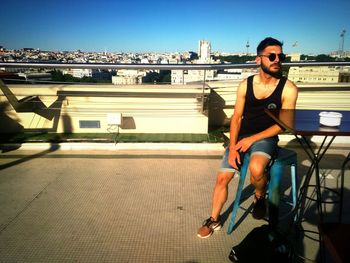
(129, 204)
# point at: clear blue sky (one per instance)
(173, 25)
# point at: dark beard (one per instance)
(277, 74)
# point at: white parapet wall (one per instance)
(88, 108)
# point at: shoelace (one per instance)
(209, 221)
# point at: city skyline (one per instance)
(304, 26)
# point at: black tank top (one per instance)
(254, 118)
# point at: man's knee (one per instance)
(224, 178)
(257, 168)
(257, 177)
(257, 171)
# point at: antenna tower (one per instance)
(247, 46)
(341, 49)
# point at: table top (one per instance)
(307, 122)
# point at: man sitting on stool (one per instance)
(253, 130)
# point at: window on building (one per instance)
(89, 124)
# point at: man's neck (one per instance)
(266, 78)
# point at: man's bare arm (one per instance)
(235, 124)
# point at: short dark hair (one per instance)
(269, 41)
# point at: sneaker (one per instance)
(208, 227)
(259, 209)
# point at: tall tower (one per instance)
(341, 44)
(295, 56)
(204, 51)
(247, 46)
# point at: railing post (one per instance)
(203, 89)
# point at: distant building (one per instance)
(204, 51)
(314, 74)
(78, 72)
(93, 73)
(177, 77)
(187, 76)
(295, 57)
(144, 60)
(340, 54)
(198, 75)
(235, 74)
(128, 77)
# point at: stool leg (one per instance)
(242, 177)
(294, 191)
(276, 173)
(293, 171)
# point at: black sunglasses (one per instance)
(272, 56)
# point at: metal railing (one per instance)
(160, 66)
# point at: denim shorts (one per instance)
(266, 147)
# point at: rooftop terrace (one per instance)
(132, 203)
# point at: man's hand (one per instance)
(244, 144)
(234, 159)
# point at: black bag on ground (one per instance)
(261, 245)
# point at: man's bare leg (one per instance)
(220, 193)
(257, 165)
(219, 198)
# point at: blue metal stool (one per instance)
(284, 158)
